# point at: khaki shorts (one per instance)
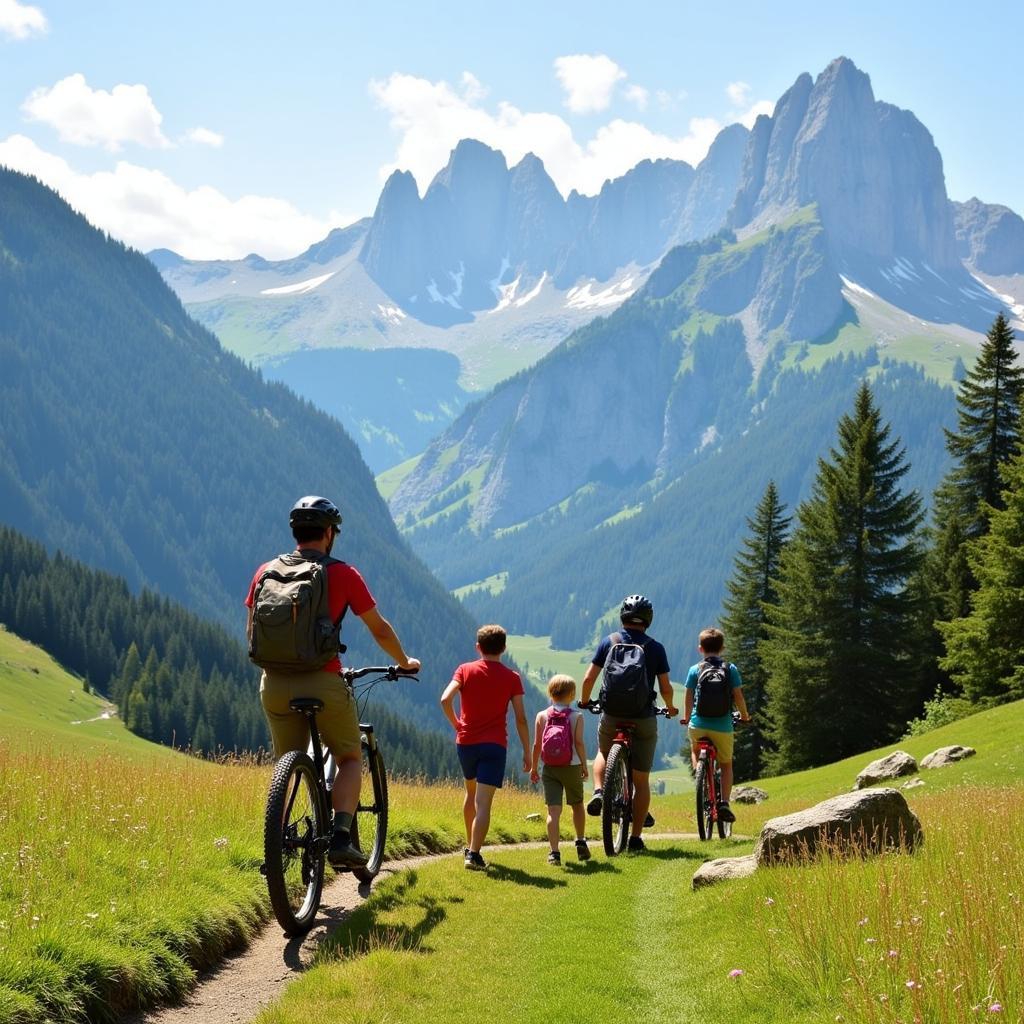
(721, 740)
(559, 778)
(338, 723)
(645, 739)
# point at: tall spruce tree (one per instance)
(838, 643)
(985, 648)
(751, 590)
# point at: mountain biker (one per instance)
(315, 523)
(718, 729)
(636, 615)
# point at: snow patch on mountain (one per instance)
(506, 295)
(533, 292)
(393, 314)
(299, 289)
(581, 297)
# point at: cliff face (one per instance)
(989, 237)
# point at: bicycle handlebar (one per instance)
(737, 721)
(595, 707)
(391, 672)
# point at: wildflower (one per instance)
(221, 843)
(913, 984)
(893, 953)
(769, 902)
(995, 1007)
(882, 997)
(92, 917)
(871, 942)
(735, 973)
(863, 921)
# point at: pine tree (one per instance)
(751, 591)
(985, 648)
(837, 656)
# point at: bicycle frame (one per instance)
(707, 751)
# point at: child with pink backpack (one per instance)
(558, 743)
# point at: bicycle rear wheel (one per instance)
(370, 823)
(724, 827)
(294, 844)
(617, 805)
(703, 798)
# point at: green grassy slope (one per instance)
(41, 704)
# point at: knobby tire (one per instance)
(293, 827)
(370, 824)
(617, 805)
(704, 817)
(724, 827)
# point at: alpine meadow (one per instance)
(378, 337)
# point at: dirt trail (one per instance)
(243, 983)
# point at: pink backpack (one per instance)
(556, 741)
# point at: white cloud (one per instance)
(588, 81)
(738, 93)
(19, 21)
(205, 137)
(94, 117)
(147, 209)
(755, 111)
(431, 118)
(638, 95)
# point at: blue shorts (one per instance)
(484, 762)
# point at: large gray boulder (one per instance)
(749, 795)
(947, 755)
(724, 869)
(867, 822)
(892, 766)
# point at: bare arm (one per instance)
(387, 639)
(593, 671)
(687, 706)
(581, 747)
(665, 685)
(448, 703)
(538, 732)
(741, 704)
(524, 736)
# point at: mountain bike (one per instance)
(617, 792)
(297, 823)
(708, 787)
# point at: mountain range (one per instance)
(627, 458)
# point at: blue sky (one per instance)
(223, 127)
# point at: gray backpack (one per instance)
(292, 629)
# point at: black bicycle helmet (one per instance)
(314, 511)
(636, 610)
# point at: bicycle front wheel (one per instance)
(294, 844)
(617, 805)
(370, 823)
(724, 827)
(702, 787)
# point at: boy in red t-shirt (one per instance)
(485, 688)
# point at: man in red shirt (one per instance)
(485, 688)
(315, 524)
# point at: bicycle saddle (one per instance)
(306, 704)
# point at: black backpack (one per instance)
(626, 690)
(714, 689)
(292, 629)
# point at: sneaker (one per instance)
(554, 857)
(474, 862)
(635, 845)
(342, 854)
(649, 820)
(594, 807)
(724, 812)
(582, 850)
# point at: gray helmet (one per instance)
(636, 609)
(314, 511)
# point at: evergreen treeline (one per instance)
(176, 678)
(846, 627)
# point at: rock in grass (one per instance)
(748, 795)
(859, 823)
(947, 755)
(912, 784)
(892, 766)
(723, 870)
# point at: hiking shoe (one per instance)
(342, 854)
(554, 857)
(582, 850)
(635, 845)
(594, 807)
(649, 820)
(474, 862)
(724, 813)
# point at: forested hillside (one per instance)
(175, 678)
(131, 440)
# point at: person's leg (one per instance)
(726, 780)
(599, 771)
(579, 820)
(482, 815)
(641, 800)
(469, 809)
(554, 816)
(345, 794)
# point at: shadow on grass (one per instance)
(675, 853)
(592, 867)
(506, 874)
